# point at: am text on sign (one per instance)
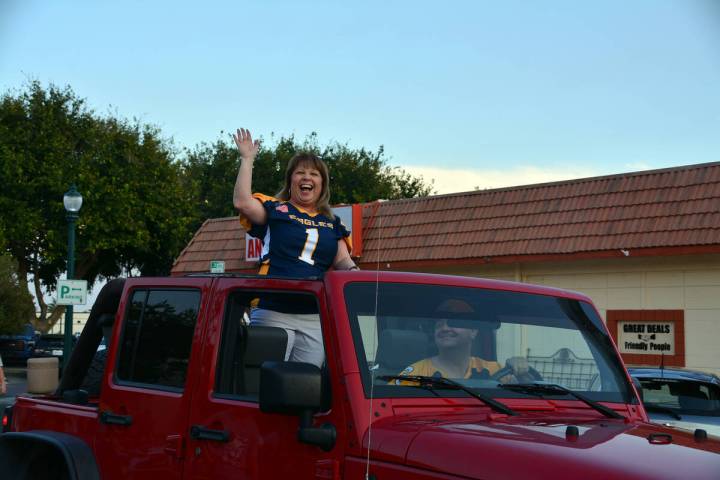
(253, 248)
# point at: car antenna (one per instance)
(662, 364)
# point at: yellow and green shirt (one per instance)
(426, 368)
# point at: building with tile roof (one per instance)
(644, 245)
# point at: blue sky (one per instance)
(468, 93)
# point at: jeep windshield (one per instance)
(481, 338)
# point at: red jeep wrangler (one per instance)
(189, 390)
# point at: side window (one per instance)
(658, 393)
(246, 342)
(157, 337)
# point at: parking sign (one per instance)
(72, 292)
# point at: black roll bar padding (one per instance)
(76, 368)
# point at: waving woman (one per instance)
(301, 237)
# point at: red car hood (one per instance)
(473, 447)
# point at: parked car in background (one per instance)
(680, 398)
(49, 345)
(16, 349)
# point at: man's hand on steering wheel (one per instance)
(518, 365)
(517, 370)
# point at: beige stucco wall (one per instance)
(689, 283)
(79, 320)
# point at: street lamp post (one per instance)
(72, 201)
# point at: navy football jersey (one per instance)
(295, 242)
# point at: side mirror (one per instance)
(290, 387)
(294, 388)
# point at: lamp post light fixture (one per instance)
(72, 201)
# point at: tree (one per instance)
(356, 175)
(16, 305)
(137, 208)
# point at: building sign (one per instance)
(253, 248)
(646, 338)
(72, 292)
(649, 337)
(217, 266)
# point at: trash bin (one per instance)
(42, 375)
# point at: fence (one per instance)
(566, 369)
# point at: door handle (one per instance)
(115, 419)
(198, 432)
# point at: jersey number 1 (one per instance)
(310, 245)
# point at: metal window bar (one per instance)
(565, 368)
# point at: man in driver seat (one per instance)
(454, 358)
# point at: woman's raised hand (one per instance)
(245, 144)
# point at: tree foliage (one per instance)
(136, 210)
(356, 175)
(16, 305)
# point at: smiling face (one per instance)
(306, 185)
(453, 337)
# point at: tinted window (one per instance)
(684, 396)
(157, 337)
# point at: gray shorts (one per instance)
(305, 343)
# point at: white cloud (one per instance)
(638, 166)
(452, 180)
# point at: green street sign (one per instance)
(217, 266)
(72, 292)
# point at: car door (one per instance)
(233, 438)
(144, 403)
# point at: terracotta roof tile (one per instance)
(675, 207)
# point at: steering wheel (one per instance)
(532, 375)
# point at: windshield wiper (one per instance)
(431, 383)
(651, 407)
(551, 388)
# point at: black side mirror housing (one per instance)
(290, 387)
(294, 388)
